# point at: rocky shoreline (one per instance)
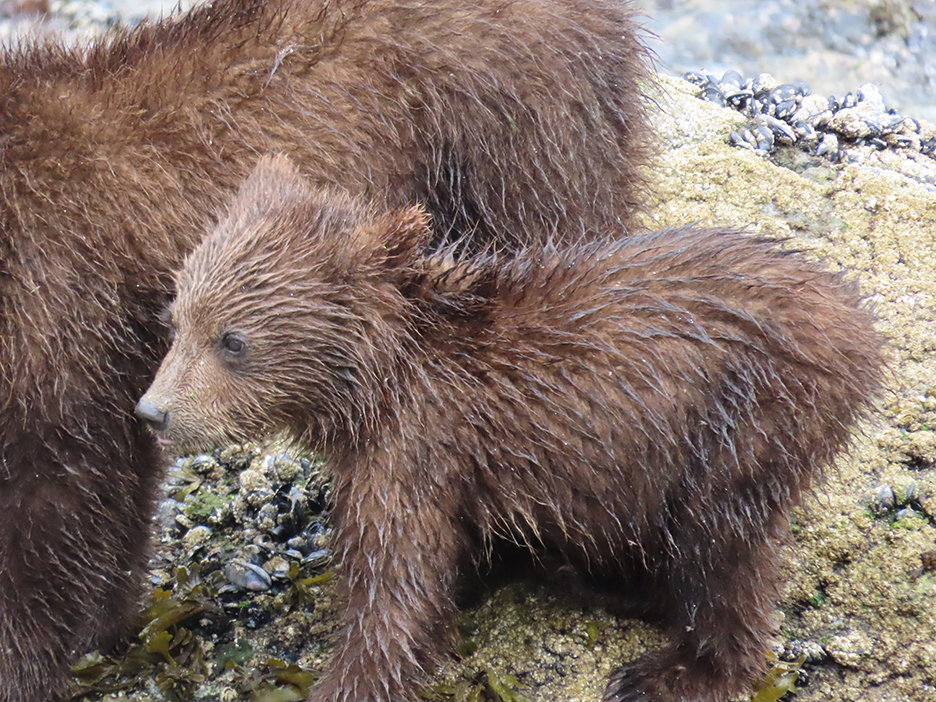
(850, 128)
(835, 45)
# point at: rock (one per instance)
(850, 649)
(246, 575)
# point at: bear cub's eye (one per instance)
(234, 344)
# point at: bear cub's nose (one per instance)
(152, 415)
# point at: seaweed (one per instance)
(467, 629)
(162, 649)
(232, 655)
(592, 634)
(300, 592)
(171, 655)
(780, 680)
(204, 505)
(485, 685)
(277, 681)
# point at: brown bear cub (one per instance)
(642, 411)
(505, 119)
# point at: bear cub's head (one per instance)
(284, 317)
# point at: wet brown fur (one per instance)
(504, 118)
(642, 411)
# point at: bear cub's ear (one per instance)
(400, 238)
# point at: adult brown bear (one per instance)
(643, 412)
(504, 118)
